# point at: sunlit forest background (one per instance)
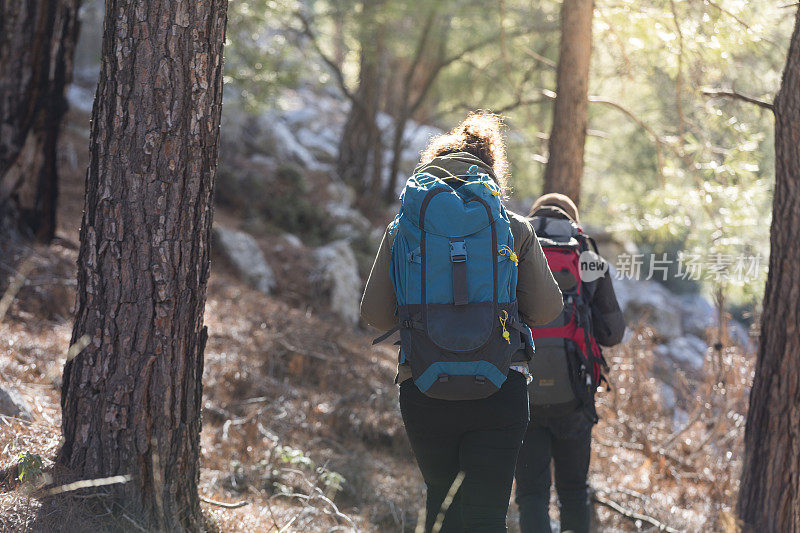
(668, 163)
(326, 107)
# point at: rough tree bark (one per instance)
(131, 400)
(564, 168)
(360, 161)
(769, 498)
(37, 43)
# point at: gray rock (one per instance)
(271, 135)
(651, 303)
(739, 334)
(348, 222)
(86, 59)
(341, 193)
(301, 117)
(242, 250)
(80, 98)
(323, 146)
(336, 274)
(668, 397)
(13, 404)
(698, 315)
(265, 164)
(687, 350)
(292, 240)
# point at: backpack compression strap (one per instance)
(405, 324)
(458, 256)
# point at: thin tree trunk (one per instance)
(769, 498)
(422, 74)
(564, 168)
(361, 147)
(131, 400)
(37, 44)
(390, 194)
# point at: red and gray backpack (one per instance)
(568, 366)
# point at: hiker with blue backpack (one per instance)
(566, 372)
(461, 278)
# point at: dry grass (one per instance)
(292, 397)
(678, 461)
(275, 376)
(279, 378)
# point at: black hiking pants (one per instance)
(567, 441)
(478, 437)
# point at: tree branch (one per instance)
(719, 93)
(656, 137)
(422, 43)
(337, 72)
(741, 22)
(538, 57)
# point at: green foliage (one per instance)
(294, 457)
(260, 59)
(714, 188)
(333, 482)
(286, 471)
(283, 201)
(29, 466)
(666, 164)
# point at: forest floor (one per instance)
(301, 418)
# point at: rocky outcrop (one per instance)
(306, 130)
(336, 276)
(650, 302)
(698, 315)
(687, 350)
(244, 254)
(13, 404)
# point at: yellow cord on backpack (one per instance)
(504, 249)
(459, 177)
(503, 319)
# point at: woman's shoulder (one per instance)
(520, 227)
(391, 230)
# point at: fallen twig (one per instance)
(232, 505)
(288, 524)
(86, 483)
(632, 515)
(13, 288)
(308, 353)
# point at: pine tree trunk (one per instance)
(131, 400)
(564, 168)
(769, 498)
(360, 161)
(37, 44)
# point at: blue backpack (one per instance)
(454, 272)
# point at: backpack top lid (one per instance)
(459, 211)
(556, 230)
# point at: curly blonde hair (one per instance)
(480, 134)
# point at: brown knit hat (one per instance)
(561, 201)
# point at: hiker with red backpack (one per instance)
(461, 278)
(567, 370)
